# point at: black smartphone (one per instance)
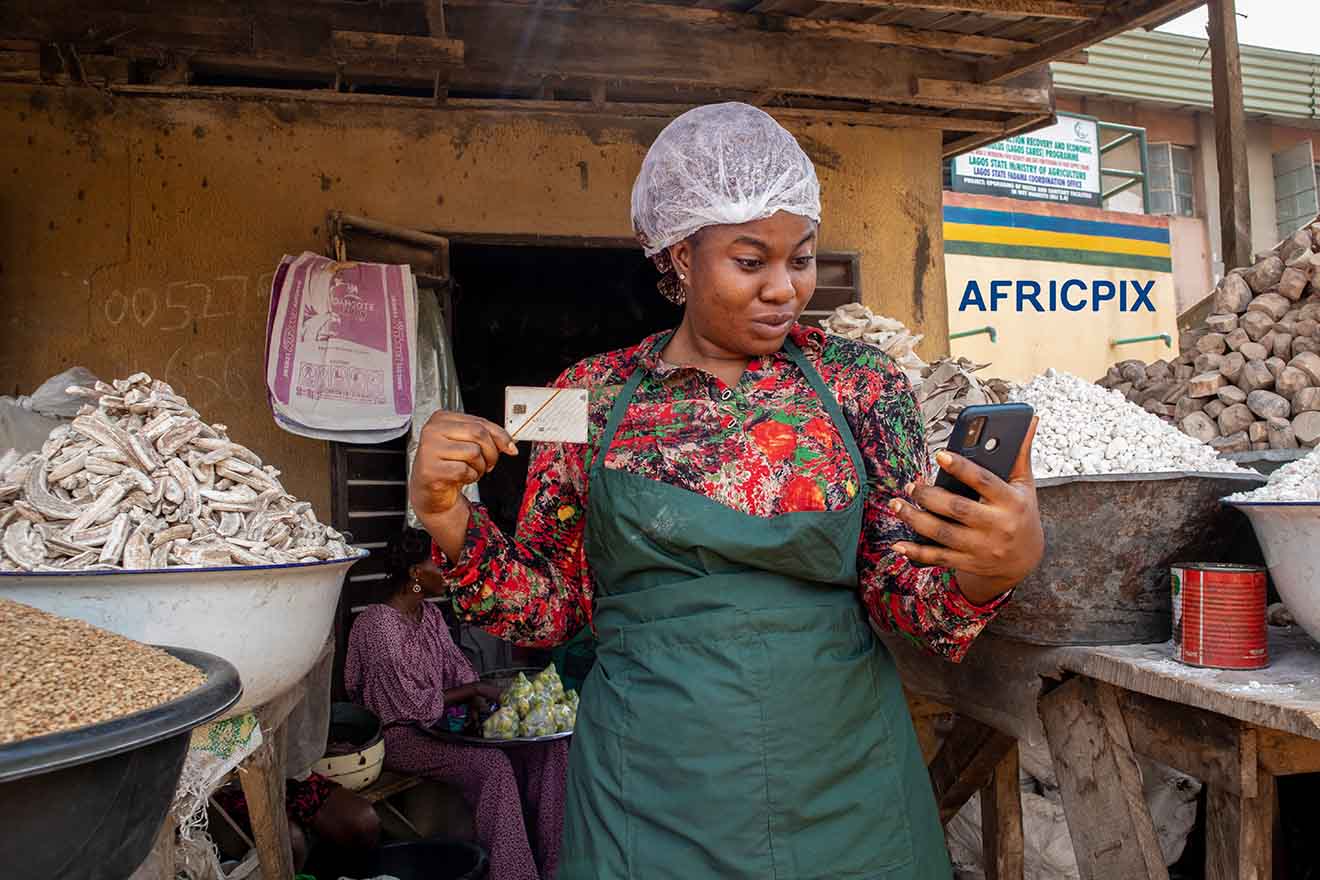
(990, 436)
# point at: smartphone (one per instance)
(990, 436)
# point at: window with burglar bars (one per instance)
(1172, 180)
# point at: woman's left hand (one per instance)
(992, 543)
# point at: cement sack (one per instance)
(340, 349)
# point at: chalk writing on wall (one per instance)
(178, 305)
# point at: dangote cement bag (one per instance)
(340, 348)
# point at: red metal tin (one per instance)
(1219, 615)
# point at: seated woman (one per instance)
(403, 665)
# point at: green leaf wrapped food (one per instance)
(548, 683)
(540, 721)
(503, 724)
(565, 717)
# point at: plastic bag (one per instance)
(503, 724)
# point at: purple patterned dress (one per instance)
(399, 669)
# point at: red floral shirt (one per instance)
(765, 446)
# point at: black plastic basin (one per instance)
(436, 858)
(87, 804)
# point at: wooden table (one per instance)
(1096, 708)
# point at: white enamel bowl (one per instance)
(1289, 536)
(270, 621)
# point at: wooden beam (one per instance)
(1015, 126)
(1124, 18)
(1218, 750)
(1066, 10)
(964, 95)
(1003, 847)
(1230, 135)
(591, 46)
(1239, 832)
(1284, 754)
(356, 47)
(262, 777)
(1100, 781)
(965, 763)
(877, 119)
(880, 35)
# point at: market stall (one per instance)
(168, 161)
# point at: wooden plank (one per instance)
(1002, 843)
(1217, 750)
(367, 48)
(1017, 125)
(1239, 833)
(1285, 696)
(963, 95)
(1284, 754)
(596, 46)
(965, 763)
(1123, 18)
(1064, 10)
(1100, 782)
(991, 129)
(86, 26)
(1230, 134)
(262, 778)
(880, 35)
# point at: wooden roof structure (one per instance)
(977, 70)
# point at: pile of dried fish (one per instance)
(139, 481)
(943, 388)
(949, 386)
(856, 321)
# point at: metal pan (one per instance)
(502, 678)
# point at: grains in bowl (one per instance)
(58, 674)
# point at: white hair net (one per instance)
(720, 164)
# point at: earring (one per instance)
(682, 277)
(416, 587)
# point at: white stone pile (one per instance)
(1296, 481)
(1087, 429)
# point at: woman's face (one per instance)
(747, 284)
(428, 574)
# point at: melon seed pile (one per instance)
(1086, 429)
(57, 674)
(139, 481)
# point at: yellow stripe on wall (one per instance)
(1008, 235)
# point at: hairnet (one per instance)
(720, 164)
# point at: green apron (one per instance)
(741, 720)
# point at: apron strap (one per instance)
(832, 407)
(799, 359)
(621, 406)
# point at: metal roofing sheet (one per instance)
(1171, 69)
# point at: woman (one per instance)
(403, 665)
(745, 506)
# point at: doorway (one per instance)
(523, 314)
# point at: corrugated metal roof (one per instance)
(1172, 69)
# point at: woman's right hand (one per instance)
(455, 449)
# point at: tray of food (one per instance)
(533, 708)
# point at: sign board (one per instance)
(1060, 163)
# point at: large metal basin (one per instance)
(270, 621)
(1289, 535)
(1109, 542)
(86, 804)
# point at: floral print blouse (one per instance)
(765, 446)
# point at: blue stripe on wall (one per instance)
(983, 216)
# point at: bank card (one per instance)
(546, 415)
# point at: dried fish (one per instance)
(139, 480)
(24, 545)
(137, 550)
(113, 548)
(40, 497)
